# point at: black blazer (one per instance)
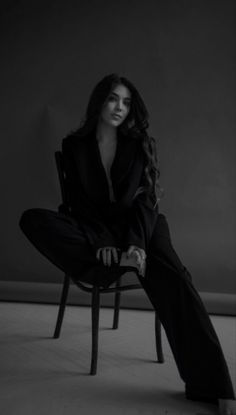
(128, 221)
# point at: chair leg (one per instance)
(62, 306)
(160, 357)
(95, 327)
(116, 307)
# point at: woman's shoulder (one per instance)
(130, 138)
(73, 139)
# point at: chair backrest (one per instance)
(64, 207)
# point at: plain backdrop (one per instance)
(181, 57)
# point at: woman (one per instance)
(115, 225)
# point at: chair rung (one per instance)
(109, 290)
(121, 288)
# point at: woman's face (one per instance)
(117, 106)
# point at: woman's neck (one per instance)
(106, 133)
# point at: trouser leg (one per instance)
(191, 335)
(60, 239)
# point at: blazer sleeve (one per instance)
(91, 221)
(143, 216)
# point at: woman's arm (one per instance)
(142, 221)
(143, 216)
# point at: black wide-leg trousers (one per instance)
(168, 284)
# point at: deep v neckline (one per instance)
(107, 160)
(108, 173)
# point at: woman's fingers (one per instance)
(110, 252)
(130, 250)
(143, 268)
(104, 256)
(138, 253)
(140, 257)
(98, 253)
(134, 248)
(137, 256)
(115, 255)
(107, 253)
(133, 251)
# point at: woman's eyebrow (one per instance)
(117, 95)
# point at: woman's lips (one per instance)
(116, 116)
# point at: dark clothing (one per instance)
(88, 192)
(70, 243)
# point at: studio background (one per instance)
(180, 55)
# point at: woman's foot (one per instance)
(227, 407)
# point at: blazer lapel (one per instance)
(92, 172)
(126, 152)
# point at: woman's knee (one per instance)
(30, 218)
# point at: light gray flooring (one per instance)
(43, 376)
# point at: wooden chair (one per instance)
(96, 291)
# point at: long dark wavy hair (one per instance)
(135, 125)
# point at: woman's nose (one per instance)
(119, 105)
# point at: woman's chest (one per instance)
(102, 169)
(107, 154)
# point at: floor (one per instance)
(41, 376)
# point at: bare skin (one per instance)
(134, 257)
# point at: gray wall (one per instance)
(180, 55)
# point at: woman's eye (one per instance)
(111, 99)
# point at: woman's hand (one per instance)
(140, 256)
(106, 253)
